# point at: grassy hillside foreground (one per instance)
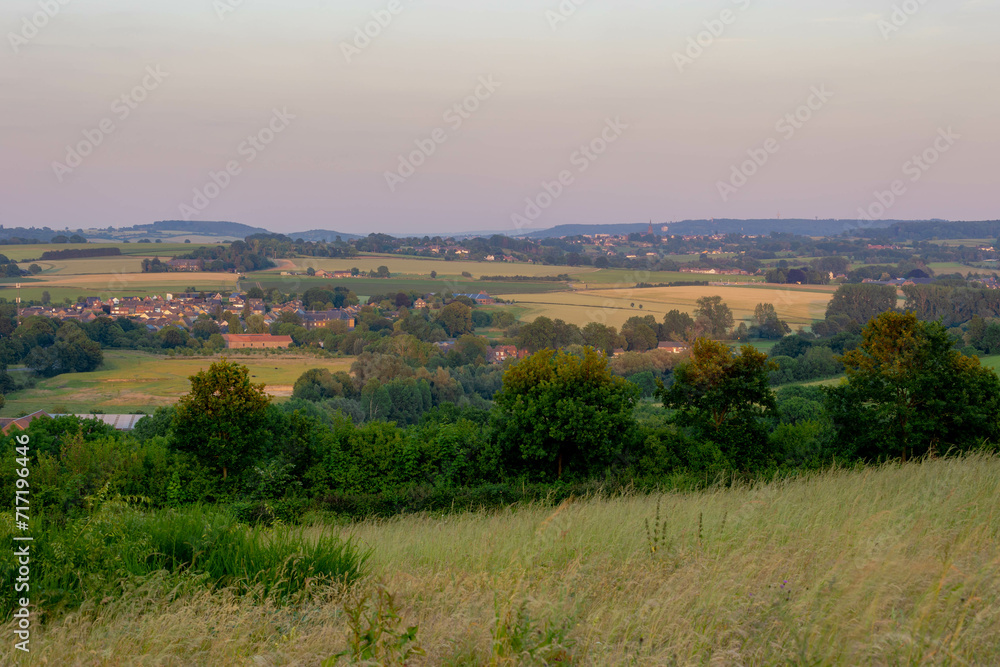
(895, 565)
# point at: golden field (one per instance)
(799, 306)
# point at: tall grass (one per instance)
(105, 554)
(892, 565)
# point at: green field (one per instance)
(34, 251)
(422, 266)
(369, 286)
(896, 565)
(949, 267)
(799, 306)
(992, 362)
(133, 381)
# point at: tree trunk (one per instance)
(225, 472)
(560, 465)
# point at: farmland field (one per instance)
(32, 252)
(896, 565)
(132, 381)
(799, 306)
(90, 265)
(110, 285)
(950, 267)
(368, 286)
(422, 266)
(630, 278)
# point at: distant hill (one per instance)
(204, 227)
(723, 226)
(324, 235)
(30, 234)
(166, 229)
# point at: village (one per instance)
(185, 310)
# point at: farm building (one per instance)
(256, 341)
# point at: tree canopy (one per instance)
(724, 397)
(221, 421)
(560, 413)
(908, 392)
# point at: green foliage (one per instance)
(641, 333)
(116, 547)
(71, 351)
(221, 420)
(559, 412)
(545, 333)
(724, 398)
(456, 318)
(318, 384)
(909, 392)
(854, 305)
(767, 325)
(517, 637)
(713, 316)
(676, 326)
(375, 634)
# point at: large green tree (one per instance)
(909, 392)
(713, 316)
(861, 303)
(725, 398)
(767, 324)
(640, 333)
(560, 413)
(222, 420)
(456, 318)
(676, 326)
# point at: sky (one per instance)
(437, 116)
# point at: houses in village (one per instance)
(184, 309)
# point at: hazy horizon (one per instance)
(332, 113)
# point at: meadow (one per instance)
(422, 266)
(366, 287)
(132, 381)
(799, 306)
(891, 565)
(31, 252)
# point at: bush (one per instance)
(94, 557)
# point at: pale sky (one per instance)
(897, 85)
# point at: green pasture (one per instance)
(31, 252)
(131, 381)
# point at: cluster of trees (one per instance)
(9, 268)
(237, 256)
(155, 265)
(35, 236)
(81, 253)
(712, 318)
(854, 305)
(953, 304)
(984, 335)
(279, 245)
(559, 418)
(47, 347)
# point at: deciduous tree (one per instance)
(221, 421)
(561, 413)
(908, 392)
(725, 398)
